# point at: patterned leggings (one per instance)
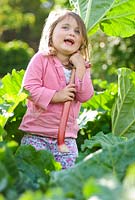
(67, 159)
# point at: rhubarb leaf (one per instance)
(114, 17)
(112, 160)
(123, 112)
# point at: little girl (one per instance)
(63, 42)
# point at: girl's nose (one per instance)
(72, 33)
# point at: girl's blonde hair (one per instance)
(46, 45)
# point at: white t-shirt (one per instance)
(67, 73)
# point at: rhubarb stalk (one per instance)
(63, 122)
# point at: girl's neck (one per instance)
(64, 59)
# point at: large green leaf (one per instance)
(9, 171)
(102, 100)
(115, 17)
(112, 160)
(102, 140)
(91, 11)
(4, 177)
(129, 183)
(35, 166)
(120, 20)
(99, 106)
(123, 112)
(10, 95)
(105, 188)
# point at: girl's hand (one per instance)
(78, 61)
(66, 94)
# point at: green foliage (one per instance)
(87, 11)
(123, 52)
(24, 170)
(106, 15)
(95, 115)
(35, 167)
(104, 156)
(106, 188)
(14, 54)
(110, 53)
(26, 20)
(9, 168)
(17, 19)
(106, 166)
(31, 174)
(11, 96)
(102, 140)
(123, 113)
(113, 18)
(98, 141)
(121, 16)
(112, 161)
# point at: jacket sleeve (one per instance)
(33, 81)
(84, 87)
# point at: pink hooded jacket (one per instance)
(44, 76)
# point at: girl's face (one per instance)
(66, 37)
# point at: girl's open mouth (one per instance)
(69, 41)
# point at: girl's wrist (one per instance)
(80, 71)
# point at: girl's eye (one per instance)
(65, 27)
(77, 31)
